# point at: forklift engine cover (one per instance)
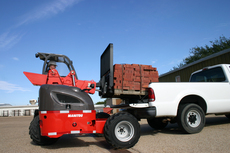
(61, 97)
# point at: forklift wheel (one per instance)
(35, 133)
(122, 130)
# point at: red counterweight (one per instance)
(56, 123)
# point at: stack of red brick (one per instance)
(134, 76)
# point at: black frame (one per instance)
(106, 74)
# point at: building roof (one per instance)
(3, 104)
(198, 61)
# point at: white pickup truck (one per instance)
(187, 103)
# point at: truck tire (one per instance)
(122, 130)
(157, 123)
(35, 133)
(228, 116)
(191, 118)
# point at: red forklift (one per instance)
(65, 106)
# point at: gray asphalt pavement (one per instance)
(14, 137)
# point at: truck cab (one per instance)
(215, 73)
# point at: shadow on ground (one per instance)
(70, 141)
(174, 128)
(75, 141)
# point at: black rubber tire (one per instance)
(122, 130)
(35, 133)
(228, 116)
(191, 118)
(157, 123)
(102, 115)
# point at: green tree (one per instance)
(197, 53)
(101, 102)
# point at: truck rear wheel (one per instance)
(35, 133)
(157, 123)
(122, 130)
(191, 118)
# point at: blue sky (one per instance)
(152, 32)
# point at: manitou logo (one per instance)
(75, 115)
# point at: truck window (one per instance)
(209, 75)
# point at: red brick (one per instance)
(134, 76)
(144, 85)
(137, 79)
(127, 83)
(137, 69)
(145, 80)
(148, 68)
(144, 89)
(117, 87)
(154, 80)
(117, 76)
(117, 82)
(128, 72)
(137, 74)
(117, 71)
(117, 67)
(137, 86)
(154, 74)
(127, 65)
(125, 88)
(135, 65)
(128, 78)
(145, 74)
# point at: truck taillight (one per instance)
(151, 95)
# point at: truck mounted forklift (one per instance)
(65, 106)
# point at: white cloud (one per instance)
(15, 58)
(47, 10)
(9, 39)
(153, 62)
(6, 39)
(10, 87)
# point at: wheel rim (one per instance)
(124, 131)
(193, 118)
